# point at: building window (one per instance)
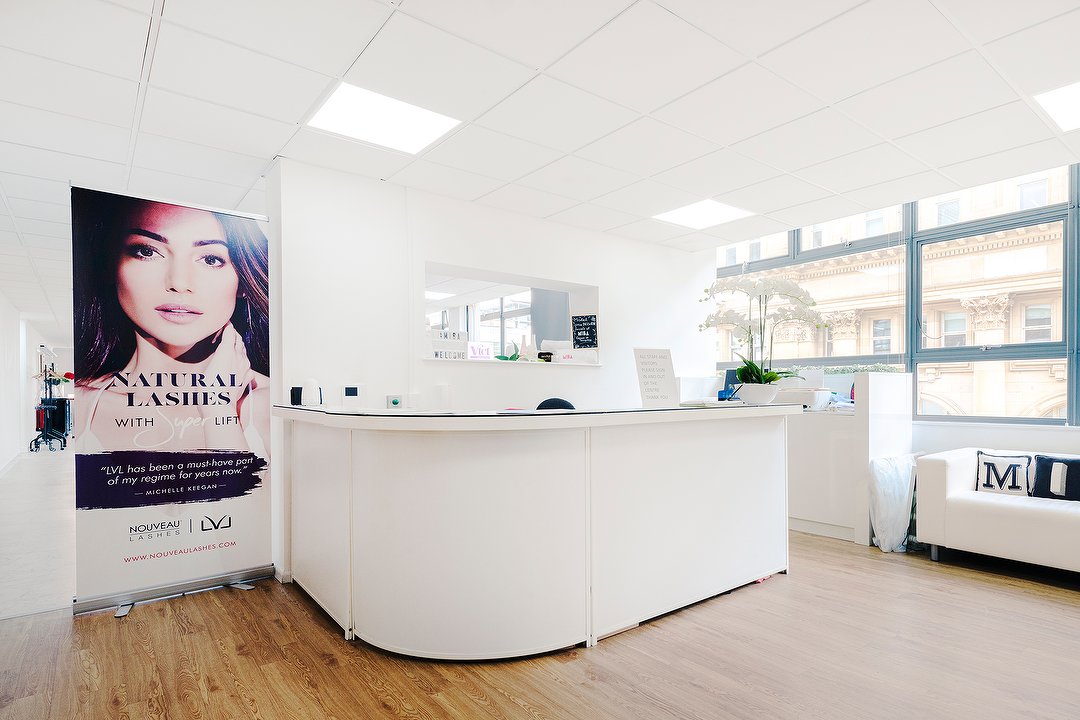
(948, 212)
(983, 274)
(1026, 192)
(1032, 194)
(729, 256)
(954, 329)
(882, 337)
(1037, 325)
(755, 251)
(875, 224)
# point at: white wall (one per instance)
(351, 302)
(938, 436)
(13, 413)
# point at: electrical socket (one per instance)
(394, 401)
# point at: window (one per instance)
(948, 212)
(954, 326)
(982, 274)
(1023, 389)
(851, 229)
(882, 336)
(1037, 325)
(875, 224)
(1035, 190)
(850, 291)
(1033, 194)
(763, 248)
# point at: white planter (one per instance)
(756, 393)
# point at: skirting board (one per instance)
(138, 596)
(818, 528)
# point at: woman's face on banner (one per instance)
(175, 279)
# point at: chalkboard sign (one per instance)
(584, 331)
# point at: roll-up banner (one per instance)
(172, 398)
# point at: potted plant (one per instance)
(752, 309)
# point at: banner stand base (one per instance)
(137, 596)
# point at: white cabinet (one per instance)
(829, 457)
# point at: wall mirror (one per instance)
(478, 315)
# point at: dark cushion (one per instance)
(1006, 474)
(1049, 481)
(555, 404)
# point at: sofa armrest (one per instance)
(939, 476)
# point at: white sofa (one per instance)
(951, 513)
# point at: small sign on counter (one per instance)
(656, 378)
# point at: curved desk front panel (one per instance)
(487, 536)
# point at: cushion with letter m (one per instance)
(1006, 474)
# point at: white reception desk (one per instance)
(479, 536)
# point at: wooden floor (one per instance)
(849, 633)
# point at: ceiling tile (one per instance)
(647, 198)
(818, 211)
(1011, 163)
(32, 188)
(554, 114)
(754, 27)
(183, 190)
(652, 231)
(66, 89)
(593, 217)
(52, 268)
(577, 178)
(35, 242)
(53, 212)
(204, 123)
(19, 263)
(742, 103)
(51, 131)
(322, 35)
(80, 171)
(338, 153)
(694, 242)
(972, 17)
(773, 194)
(809, 140)
(645, 58)
(716, 173)
(198, 161)
(748, 228)
(645, 147)
(987, 132)
(526, 201)
(58, 29)
(202, 67)
(530, 32)
(902, 190)
(487, 152)
(6, 223)
(254, 202)
(870, 166)
(1040, 58)
(412, 61)
(29, 227)
(443, 180)
(873, 43)
(949, 90)
(1073, 141)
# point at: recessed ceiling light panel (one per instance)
(365, 115)
(704, 214)
(1063, 106)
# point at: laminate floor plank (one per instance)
(850, 633)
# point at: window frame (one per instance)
(913, 240)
